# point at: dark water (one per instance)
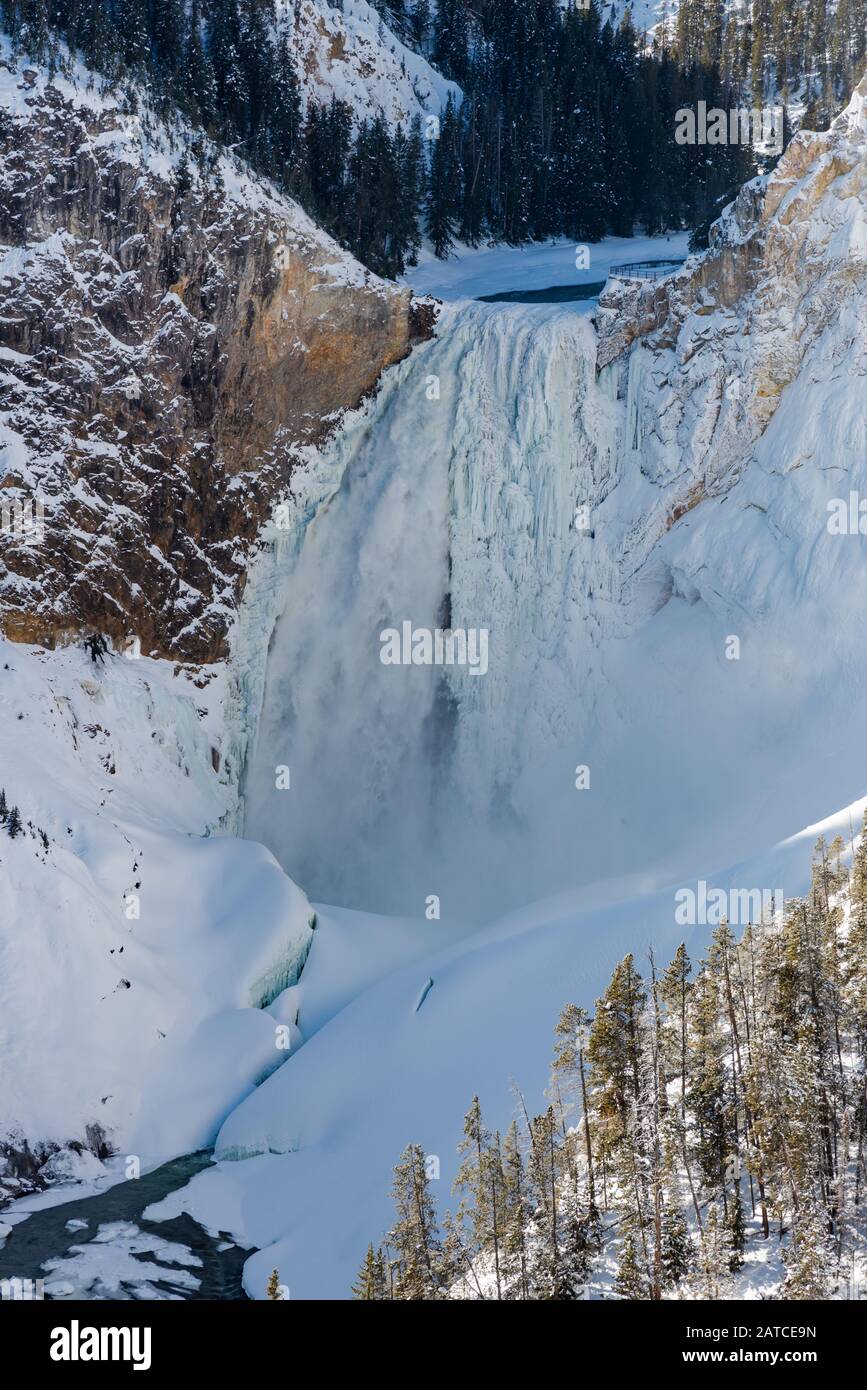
(557, 294)
(43, 1236)
(569, 294)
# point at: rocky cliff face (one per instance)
(718, 343)
(171, 333)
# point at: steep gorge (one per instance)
(180, 356)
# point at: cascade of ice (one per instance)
(498, 484)
(462, 485)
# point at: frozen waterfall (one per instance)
(497, 485)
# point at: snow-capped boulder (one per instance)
(72, 1165)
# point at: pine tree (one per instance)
(809, 1258)
(569, 1079)
(516, 1217)
(479, 1180)
(132, 29)
(444, 190)
(273, 1291)
(676, 1253)
(451, 39)
(709, 1094)
(13, 826)
(199, 72)
(409, 185)
(371, 1283)
(420, 24)
(736, 1230)
(712, 1278)
(4, 809)
(547, 1275)
(574, 1251)
(674, 992)
(630, 1282)
(614, 1050)
(415, 1234)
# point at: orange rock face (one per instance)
(170, 337)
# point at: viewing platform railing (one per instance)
(644, 270)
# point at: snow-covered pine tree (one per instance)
(677, 1251)
(516, 1218)
(631, 1282)
(809, 1259)
(674, 993)
(481, 1213)
(545, 1167)
(736, 1229)
(614, 1051)
(569, 1085)
(712, 1278)
(709, 1096)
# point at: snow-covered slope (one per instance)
(306, 1160)
(346, 51)
(136, 945)
(646, 14)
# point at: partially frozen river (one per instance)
(103, 1246)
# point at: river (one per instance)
(119, 1253)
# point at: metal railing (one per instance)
(644, 270)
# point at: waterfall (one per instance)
(457, 508)
(498, 485)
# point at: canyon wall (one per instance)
(172, 333)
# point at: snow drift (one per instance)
(137, 946)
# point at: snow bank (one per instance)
(134, 947)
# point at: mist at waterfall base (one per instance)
(607, 646)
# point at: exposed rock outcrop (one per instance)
(171, 333)
(722, 338)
